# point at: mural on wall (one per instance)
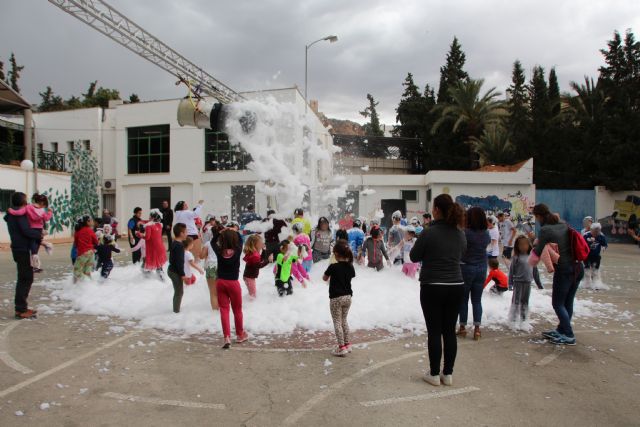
(516, 203)
(83, 199)
(623, 218)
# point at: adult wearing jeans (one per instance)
(440, 248)
(21, 236)
(566, 277)
(474, 269)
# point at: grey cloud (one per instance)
(248, 43)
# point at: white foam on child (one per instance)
(385, 300)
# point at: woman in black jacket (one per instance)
(440, 249)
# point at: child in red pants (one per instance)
(227, 246)
(254, 262)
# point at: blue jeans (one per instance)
(566, 280)
(474, 276)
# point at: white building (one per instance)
(145, 157)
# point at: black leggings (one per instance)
(440, 306)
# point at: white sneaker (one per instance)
(446, 379)
(340, 351)
(434, 380)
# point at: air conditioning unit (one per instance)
(109, 186)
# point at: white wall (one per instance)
(606, 199)
(16, 179)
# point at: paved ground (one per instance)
(69, 369)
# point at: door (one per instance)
(389, 206)
(241, 196)
(157, 195)
(109, 202)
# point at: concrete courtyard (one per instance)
(76, 370)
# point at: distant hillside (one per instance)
(342, 127)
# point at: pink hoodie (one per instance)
(37, 216)
(550, 256)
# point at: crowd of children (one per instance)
(298, 248)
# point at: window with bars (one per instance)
(148, 149)
(221, 155)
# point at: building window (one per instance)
(5, 199)
(70, 145)
(148, 149)
(409, 195)
(157, 195)
(40, 147)
(54, 147)
(221, 155)
(87, 144)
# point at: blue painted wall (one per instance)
(572, 205)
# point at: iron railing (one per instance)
(51, 161)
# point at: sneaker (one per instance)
(37, 270)
(48, 247)
(552, 334)
(446, 379)
(27, 314)
(242, 338)
(462, 332)
(340, 351)
(564, 340)
(434, 380)
(348, 347)
(227, 343)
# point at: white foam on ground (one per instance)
(382, 300)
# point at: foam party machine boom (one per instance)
(194, 110)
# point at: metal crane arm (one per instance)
(113, 24)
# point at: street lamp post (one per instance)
(330, 39)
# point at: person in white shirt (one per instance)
(508, 235)
(493, 251)
(183, 215)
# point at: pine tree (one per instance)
(1, 70)
(517, 121)
(50, 101)
(554, 93)
(452, 72)
(14, 72)
(373, 127)
(133, 98)
(411, 110)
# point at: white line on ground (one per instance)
(62, 366)
(547, 359)
(306, 407)
(4, 351)
(157, 401)
(432, 395)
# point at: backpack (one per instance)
(579, 246)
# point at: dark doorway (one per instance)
(241, 196)
(159, 195)
(389, 206)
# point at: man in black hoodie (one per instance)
(21, 235)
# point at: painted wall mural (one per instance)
(623, 218)
(517, 203)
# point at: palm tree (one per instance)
(588, 105)
(493, 147)
(471, 111)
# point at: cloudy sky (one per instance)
(259, 44)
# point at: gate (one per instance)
(572, 205)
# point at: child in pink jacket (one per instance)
(37, 217)
(302, 239)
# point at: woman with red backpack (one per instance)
(568, 272)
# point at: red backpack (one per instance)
(579, 246)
